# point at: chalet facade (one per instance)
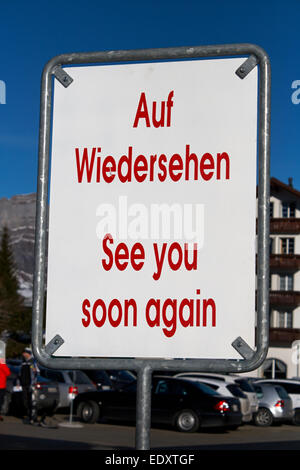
(282, 360)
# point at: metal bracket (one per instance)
(242, 348)
(62, 76)
(54, 344)
(247, 66)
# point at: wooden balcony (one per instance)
(285, 262)
(283, 337)
(284, 299)
(286, 226)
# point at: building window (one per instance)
(271, 209)
(286, 282)
(288, 209)
(274, 368)
(287, 245)
(285, 320)
(271, 245)
(281, 319)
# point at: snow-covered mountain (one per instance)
(18, 214)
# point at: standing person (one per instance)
(28, 375)
(4, 373)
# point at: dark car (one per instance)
(183, 404)
(46, 394)
(110, 379)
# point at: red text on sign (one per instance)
(122, 255)
(113, 314)
(187, 313)
(176, 257)
(91, 167)
(167, 314)
(143, 112)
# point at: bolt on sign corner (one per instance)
(152, 210)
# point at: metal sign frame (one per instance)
(250, 359)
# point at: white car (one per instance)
(241, 382)
(225, 389)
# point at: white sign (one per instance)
(152, 210)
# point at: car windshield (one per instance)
(99, 376)
(122, 375)
(259, 391)
(205, 388)
(245, 385)
(80, 377)
(54, 375)
(282, 392)
(236, 391)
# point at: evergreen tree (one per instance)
(14, 316)
(9, 282)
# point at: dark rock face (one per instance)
(18, 214)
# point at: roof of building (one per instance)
(277, 185)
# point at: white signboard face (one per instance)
(152, 210)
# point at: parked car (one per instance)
(46, 393)
(110, 379)
(292, 387)
(181, 403)
(275, 405)
(225, 389)
(70, 383)
(241, 382)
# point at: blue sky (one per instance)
(32, 32)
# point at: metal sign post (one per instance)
(65, 70)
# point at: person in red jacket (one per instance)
(4, 373)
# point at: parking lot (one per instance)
(15, 435)
(103, 416)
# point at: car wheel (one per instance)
(187, 421)
(263, 417)
(88, 412)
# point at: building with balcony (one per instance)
(284, 342)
